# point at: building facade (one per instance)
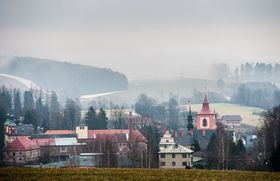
(21, 151)
(175, 156)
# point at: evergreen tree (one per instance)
(28, 103)
(17, 104)
(102, 119)
(30, 117)
(55, 113)
(71, 114)
(6, 99)
(91, 118)
(173, 114)
(196, 146)
(39, 110)
(240, 148)
(46, 118)
(2, 121)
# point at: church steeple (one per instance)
(190, 118)
(205, 104)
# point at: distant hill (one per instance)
(69, 80)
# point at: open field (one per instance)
(229, 109)
(23, 174)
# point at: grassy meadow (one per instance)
(22, 174)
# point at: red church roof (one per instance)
(22, 143)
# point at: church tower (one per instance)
(206, 119)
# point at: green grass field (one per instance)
(23, 174)
(229, 109)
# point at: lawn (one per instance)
(23, 174)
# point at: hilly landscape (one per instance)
(68, 80)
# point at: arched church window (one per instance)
(204, 122)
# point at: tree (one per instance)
(17, 104)
(2, 139)
(119, 118)
(39, 109)
(196, 146)
(144, 105)
(271, 137)
(30, 117)
(55, 113)
(72, 114)
(152, 135)
(173, 114)
(91, 118)
(46, 118)
(28, 103)
(101, 120)
(6, 99)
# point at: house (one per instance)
(166, 140)
(59, 149)
(231, 121)
(21, 151)
(175, 156)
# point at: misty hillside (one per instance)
(69, 80)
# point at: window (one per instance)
(162, 164)
(184, 155)
(184, 164)
(62, 149)
(173, 155)
(14, 154)
(20, 153)
(20, 159)
(162, 155)
(167, 141)
(81, 127)
(173, 164)
(204, 122)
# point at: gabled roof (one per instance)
(176, 149)
(232, 118)
(22, 143)
(52, 132)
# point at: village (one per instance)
(184, 148)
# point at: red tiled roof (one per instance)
(60, 132)
(91, 133)
(44, 141)
(22, 143)
(135, 135)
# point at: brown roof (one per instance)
(22, 143)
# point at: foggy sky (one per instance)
(143, 39)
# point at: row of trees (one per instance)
(255, 94)
(44, 111)
(223, 153)
(256, 71)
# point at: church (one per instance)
(202, 129)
